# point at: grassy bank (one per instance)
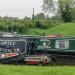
(36, 70)
(65, 29)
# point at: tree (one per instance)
(40, 16)
(63, 7)
(73, 14)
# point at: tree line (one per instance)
(12, 24)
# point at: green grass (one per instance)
(36, 70)
(65, 29)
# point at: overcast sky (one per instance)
(19, 8)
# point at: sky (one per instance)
(19, 8)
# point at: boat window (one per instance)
(62, 44)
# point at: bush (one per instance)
(42, 24)
(38, 24)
